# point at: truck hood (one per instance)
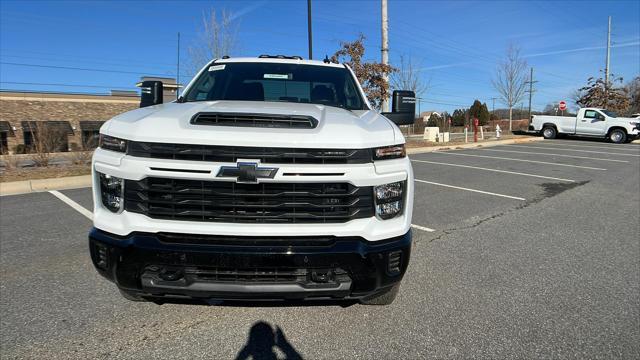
(337, 128)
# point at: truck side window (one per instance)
(590, 114)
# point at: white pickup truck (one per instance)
(591, 122)
(269, 178)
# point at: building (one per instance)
(169, 86)
(73, 119)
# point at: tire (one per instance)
(384, 298)
(618, 136)
(131, 296)
(549, 132)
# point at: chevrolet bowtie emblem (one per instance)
(247, 172)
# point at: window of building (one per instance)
(90, 133)
(47, 136)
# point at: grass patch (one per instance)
(46, 172)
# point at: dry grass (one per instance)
(46, 172)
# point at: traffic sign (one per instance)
(562, 105)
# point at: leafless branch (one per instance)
(217, 37)
(511, 79)
(409, 77)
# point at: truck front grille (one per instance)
(214, 153)
(216, 201)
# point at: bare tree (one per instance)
(45, 140)
(217, 38)
(409, 77)
(511, 80)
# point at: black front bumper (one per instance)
(219, 267)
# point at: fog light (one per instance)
(111, 191)
(389, 199)
(101, 256)
(394, 262)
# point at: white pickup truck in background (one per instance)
(591, 122)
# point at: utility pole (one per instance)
(531, 82)
(493, 105)
(385, 49)
(178, 71)
(606, 69)
(309, 29)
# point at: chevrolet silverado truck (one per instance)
(589, 122)
(269, 178)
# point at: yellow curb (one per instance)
(29, 186)
(489, 143)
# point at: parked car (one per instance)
(269, 178)
(590, 122)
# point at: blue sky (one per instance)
(457, 43)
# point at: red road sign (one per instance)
(562, 105)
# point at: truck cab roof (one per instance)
(278, 59)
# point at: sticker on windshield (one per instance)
(278, 76)
(216, 67)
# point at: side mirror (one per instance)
(600, 117)
(151, 93)
(403, 107)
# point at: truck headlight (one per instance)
(112, 143)
(389, 152)
(389, 199)
(111, 192)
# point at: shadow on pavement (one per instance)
(263, 341)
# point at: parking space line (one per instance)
(561, 149)
(562, 155)
(494, 170)
(522, 160)
(422, 228)
(77, 207)
(472, 190)
(625, 147)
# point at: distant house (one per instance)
(169, 86)
(425, 115)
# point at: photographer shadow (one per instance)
(263, 342)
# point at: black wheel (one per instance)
(618, 136)
(384, 298)
(131, 296)
(549, 132)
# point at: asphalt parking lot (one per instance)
(522, 251)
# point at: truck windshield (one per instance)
(609, 113)
(295, 83)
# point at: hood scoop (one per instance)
(254, 120)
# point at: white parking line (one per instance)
(472, 190)
(79, 208)
(523, 160)
(562, 155)
(422, 228)
(494, 170)
(625, 147)
(561, 149)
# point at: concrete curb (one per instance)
(39, 185)
(428, 149)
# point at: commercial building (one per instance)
(74, 119)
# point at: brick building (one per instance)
(77, 117)
(74, 118)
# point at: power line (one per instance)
(85, 69)
(66, 85)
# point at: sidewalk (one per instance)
(486, 143)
